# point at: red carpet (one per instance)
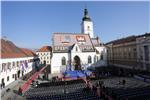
(29, 81)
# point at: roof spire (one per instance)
(86, 17)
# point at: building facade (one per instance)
(131, 52)
(45, 54)
(143, 51)
(74, 51)
(15, 62)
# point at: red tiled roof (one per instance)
(45, 49)
(10, 50)
(28, 52)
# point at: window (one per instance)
(13, 75)
(13, 63)
(47, 57)
(63, 61)
(95, 59)
(89, 59)
(9, 65)
(76, 48)
(134, 53)
(129, 55)
(17, 63)
(146, 53)
(88, 28)
(7, 78)
(3, 67)
(47, 61)
(101, 57)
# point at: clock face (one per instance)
(88, 28)
(80, 38)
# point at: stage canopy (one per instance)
(76, 74)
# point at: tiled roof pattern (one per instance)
(60, 38)
(28, 52)
(45, 49)
(10, 50)
(95, 41)
(65, 40)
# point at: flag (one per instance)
(26, 64)
(22, 64)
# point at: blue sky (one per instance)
(31, 24)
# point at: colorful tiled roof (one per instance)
(96, 41)
(45, 49)
(62, 41)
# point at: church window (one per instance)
(88, 27)
(63, 61)
(76, 48)
(89, 59)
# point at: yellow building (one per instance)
(131, 52)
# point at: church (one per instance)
(76, 51)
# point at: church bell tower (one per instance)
(87, 24)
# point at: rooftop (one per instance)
(10, 50)
(128, 39)
(65, 40)
(45, 49)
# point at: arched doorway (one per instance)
(44, 62)
(77, 63)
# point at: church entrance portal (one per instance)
(77, 63)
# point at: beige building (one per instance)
(44, 54)
(122, 52)
(143, 51)
(131, 52)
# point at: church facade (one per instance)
(75, 51)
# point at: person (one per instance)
(123, 82)
(20, 90)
